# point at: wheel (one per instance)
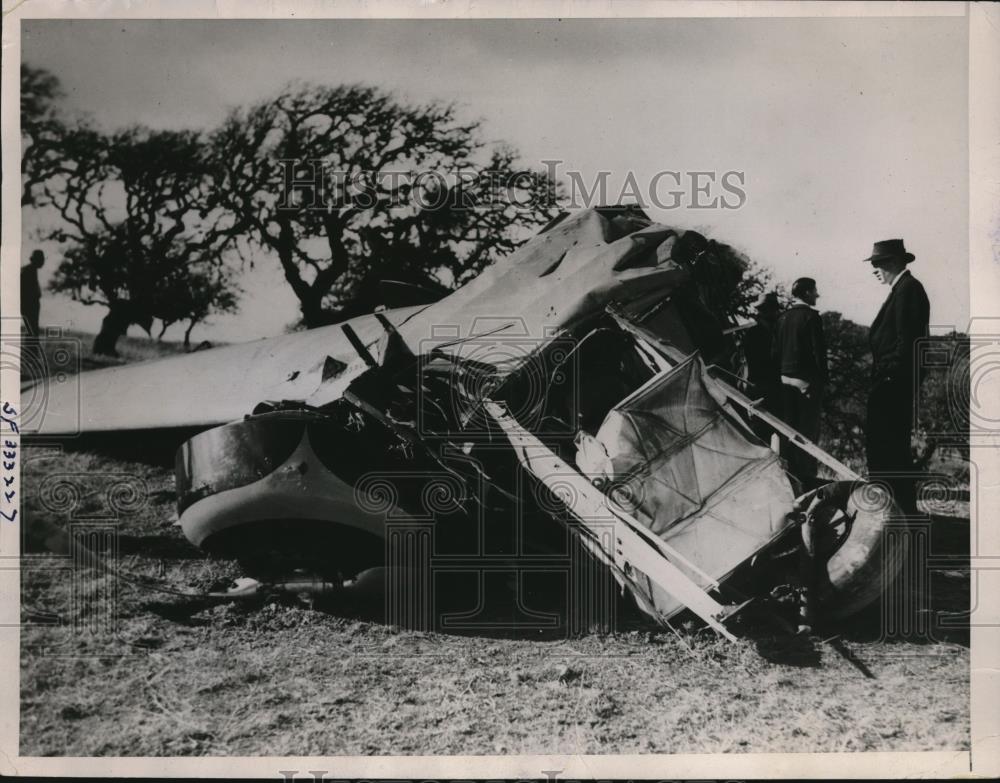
(860, 542)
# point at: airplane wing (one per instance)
(204, 388)
(569, 272)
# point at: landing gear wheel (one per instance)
(858, 541)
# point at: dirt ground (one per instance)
(175, 675)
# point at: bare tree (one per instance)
(132, 212)
(42, 130)
(189, 294)
(347, 186)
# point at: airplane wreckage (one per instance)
(564, 387)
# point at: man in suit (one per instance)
(902, 320)
(31, 292)
(800, 352)
(761, 369)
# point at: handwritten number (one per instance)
(10, 458)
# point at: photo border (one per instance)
(984, 238)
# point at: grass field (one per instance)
(182, 676)
(131, 349)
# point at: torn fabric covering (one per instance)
(554, 281)
(688, 474)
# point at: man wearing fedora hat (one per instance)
(902, 320)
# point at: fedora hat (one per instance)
(888, 249)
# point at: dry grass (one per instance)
(131, 349)
(185, 677)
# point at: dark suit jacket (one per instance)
(799, 345)
(31, 291)
(901, 321)
(762, 370)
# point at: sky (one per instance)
(847, 131)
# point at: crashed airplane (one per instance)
(574, 381)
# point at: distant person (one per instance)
(800, 352)
(31, 292)
(901, 321)
(763, 373)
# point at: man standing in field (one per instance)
(800, 352)
(31, 292)
(762, 370)
(902, 320)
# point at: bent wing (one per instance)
(200, 389)
(563, 277)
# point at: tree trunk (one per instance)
(163, 329)
(312, 312)
(187, 334)
(114, 325)
(309, 302)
